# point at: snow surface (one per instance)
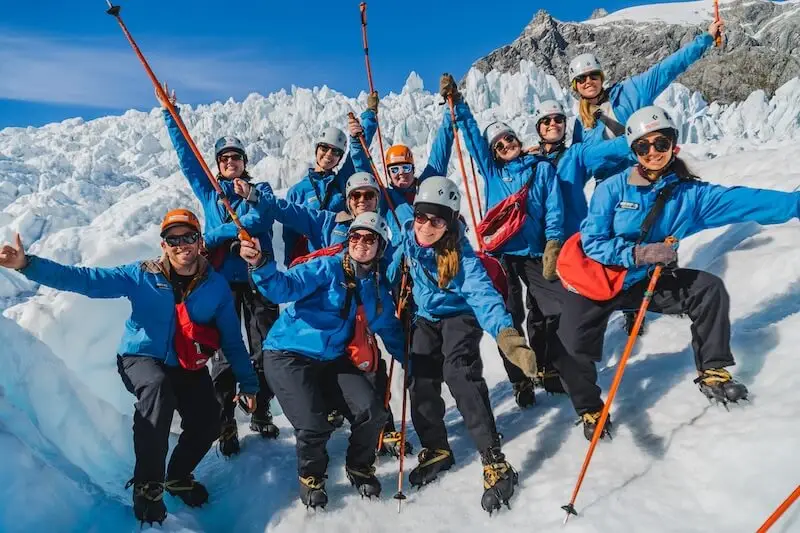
(682, 13)
(92, 193)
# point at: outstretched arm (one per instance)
(718, 205)
(189, 164)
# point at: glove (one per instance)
(448, 87)
(372, 102)
(655, 253)
(516, 350)
(551, 251)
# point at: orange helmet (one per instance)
(180, 217)
(399, 154)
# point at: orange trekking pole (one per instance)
(399, 496)
(114, 12)
(598, 430)
(363, 8)
(718, 38)
(780, 510)
(475, 184)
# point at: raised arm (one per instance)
(476, 144)
(294, 284)
(441, 149)
(606, 157)
(190, 167)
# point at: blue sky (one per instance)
(67, 58)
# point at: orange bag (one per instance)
(363, 348)
(583, 275)
(504, 220)
(195, 343)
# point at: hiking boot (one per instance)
(430, 463)
(590, 421)
(551, 382)
(391, 445)
(718, 384)
(192, 493)
(336, 419)
(524, 393)
(499, 479)
(364, 480)
(229, 439)
(312, 492)
(261, 422)
(148, 502)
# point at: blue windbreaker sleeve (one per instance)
(217, 235)
(479, 292)
(395, 271)
(316, 225)
(292, 285)
(554, 203)
(649, 84)
(442, 147)
(390, 329)
(189, 164)
(718, 205)
(597, 233)
(232, 345)
(115, 282)
(290, 236)
(606, 157)
(476, 146)
(360, 159)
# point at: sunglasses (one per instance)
(505, 143)
(366, 195)
(401, 169)
(558, 119)
(594, 76)
(661, 144)
(186, 238)
(230, 157)
(324, 148)
(368, 238)
(436, 222)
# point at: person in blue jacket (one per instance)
(611, 235)
(221, 241)
(530, 254)
(306, 361)
(323, 187)
(148, 361)
(604, 111)
(455, 302)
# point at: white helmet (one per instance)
(494, 131)
(440, 191)
(583, 64)
(549, 108)
(360, 180)
(229, 144)
(332, 137)
(647, 120)
(376, 224)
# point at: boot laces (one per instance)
(362, 472)
(181, 485)
(313, 482)
(428, 456)
(391, 437)
(590, 418)
(714, 376)
(494, 473)
(153, 490)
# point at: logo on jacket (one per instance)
(628, 205)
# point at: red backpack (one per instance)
(195, 343)
(493, 268)
(362, 350)
(322, 252)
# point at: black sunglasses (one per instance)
(505, 143)
(661, 144)
(230, 157)
(324, 148)
(590, 76)
(558, 119)
(436, 222)
(186, 238)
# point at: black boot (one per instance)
(391, 445)
(499, 479)
(229, 439)
(551, 381)
(148, 502)
(336, 419)
(192, 493)
(261, 422)
(630, 318)
(363, 479)
(590, 423)
(312, 492)
(524, 393)
(430, 463)
(718, 385)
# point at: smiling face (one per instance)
(589, 85)
(507, 148)
(231, 165)
(402, 175)
(363, 245)
(429, 229)
(362, 200)
(654, 151)
(327, 157)
(182, 246)
(551, 128)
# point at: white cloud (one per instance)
(99, 73)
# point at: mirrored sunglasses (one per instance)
(186, 238)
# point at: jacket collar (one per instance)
(163, 266)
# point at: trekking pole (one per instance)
(363, 8)
(718, 38)
(598, 430)
(475, 184)
(399, 496)
(464, 170)
(780, 510)
(114, 12)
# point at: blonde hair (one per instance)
(447, 257)
(585, 106)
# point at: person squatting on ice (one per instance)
(615, 234)
(221, 242)
(305, 359)
(159, 363)
(455, 302)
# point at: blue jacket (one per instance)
(314, 187)
(545, 207)
(577, 164)
(403, 199)
(150, 330)
(470, 292)
(641, 90)
(216, 233)
(618, 208)
(312, 325)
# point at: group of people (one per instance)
(397, 262)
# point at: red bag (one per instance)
(322, 252)
(195, 343)
(217, 256)
(585, 276)
(299, 250)
(496, 273)
(504, 220)
(363, 348)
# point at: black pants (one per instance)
(699, 295)
(307, 389)
(259, 314)
(448, 351)
(160, 390)
(380, 381)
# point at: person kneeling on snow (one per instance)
(631, 215)
(317, 353)
(456, 301)
(159, 360)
